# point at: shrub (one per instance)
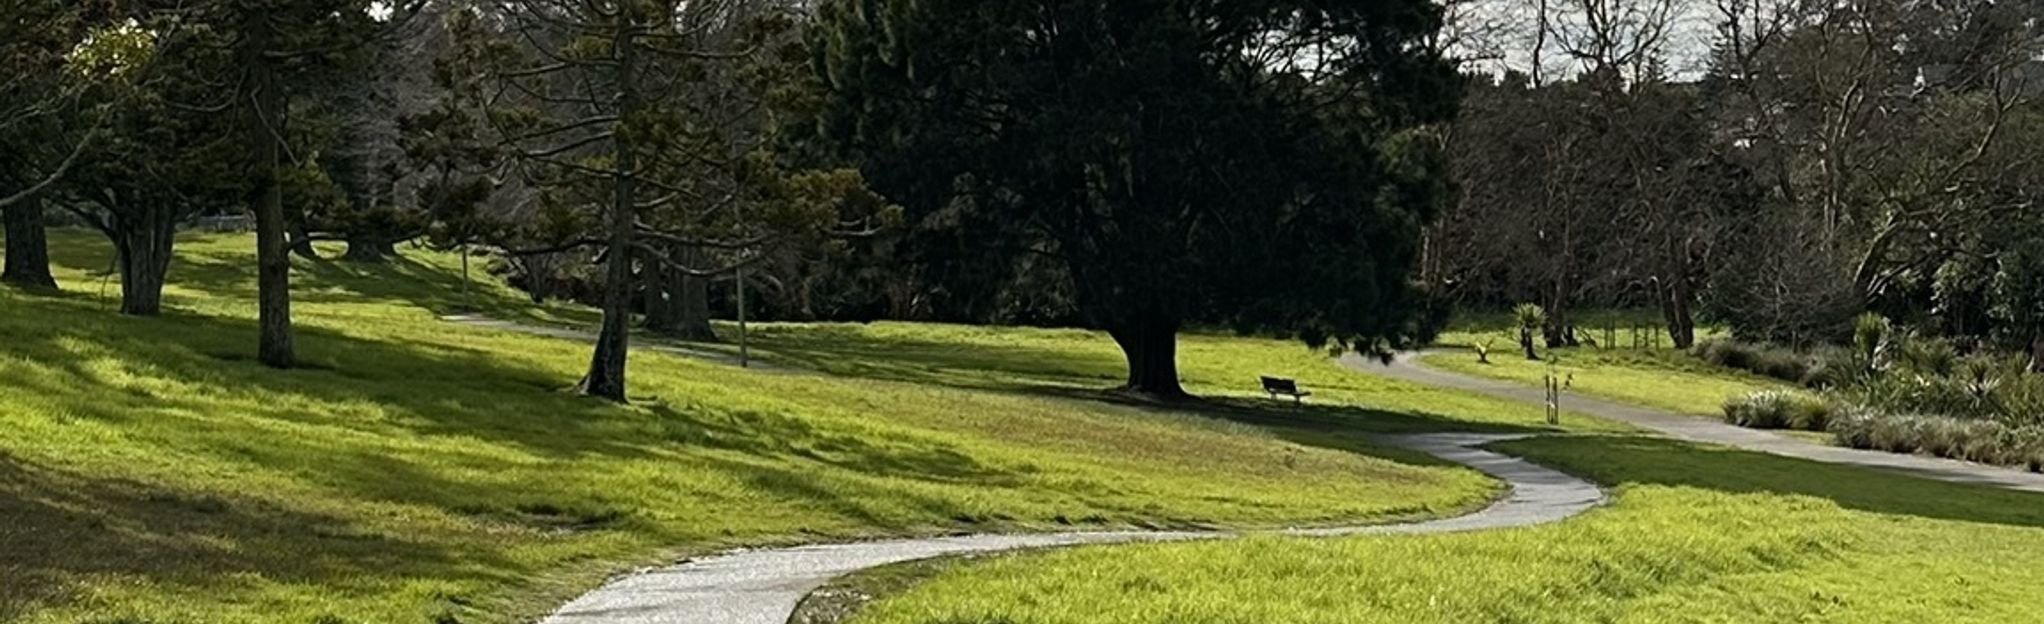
(1912, 394)
(1976, 440)
(1727, 353)
(1871, 336)
(1482, 348)
(1530, 318)
(1929, 357)
(1777, 409)
(2021, 398)
(1834, 367)
(1761, 359)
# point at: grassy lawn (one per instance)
(1661, 377)
(419, 471)
(1497, 327)
(1668, 379)
(1696, 534)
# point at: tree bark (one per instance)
(653, 287)
(1151, 346)
(28, 246)
(142, 246)
(606, 377)
(691, 304)
(369, 249)
(261, 110)
(298, 236)
(2037, 355)
(1677, 313)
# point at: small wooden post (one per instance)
(744, 354)
(1552, 385)
(467, 301)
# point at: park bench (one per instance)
(1275, 386)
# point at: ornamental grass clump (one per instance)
(1970, 439)
(1778, 409)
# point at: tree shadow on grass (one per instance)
(850, 351)
(1337, 427)
(57, 527)
(230, 275)
(184, 381)
(181, 364)
(767, 434)
(1622, 460)
(847, 351)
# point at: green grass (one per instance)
(1696, 534)
(418, 471)
(1469, 327)
(1661, 377)
(1668, 379)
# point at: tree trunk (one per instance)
(1526, 343)
(261, 110)
(653, 287)
(1676, 312)
(1560, 332)
(142, 246)
(692, 304)
(2037, 356)
(606, 377)
(369, 249)
(1151, 346)
(28, 246)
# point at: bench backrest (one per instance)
(1276, 384)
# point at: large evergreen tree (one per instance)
(1261, 164)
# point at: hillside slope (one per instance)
(420, 471)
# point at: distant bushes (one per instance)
(1758, 358)
(1895, 391)
(1778, 409)
(1977, 440)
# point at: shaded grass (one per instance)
(1696, 534)
(415, 471)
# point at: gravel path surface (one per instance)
(764, 586)
(1700, 429)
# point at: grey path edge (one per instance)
(764, 586)
(1405, 366)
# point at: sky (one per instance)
(1501, 31)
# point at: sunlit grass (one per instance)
(151, 471)
(1696, 534)
(1664, 378)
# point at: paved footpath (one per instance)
(764, 586)
(1701, 429)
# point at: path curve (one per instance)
(1698, 429)
(764, 586)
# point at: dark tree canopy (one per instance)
(1257, 164)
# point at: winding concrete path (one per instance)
(1700, 429)
(764, 586)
